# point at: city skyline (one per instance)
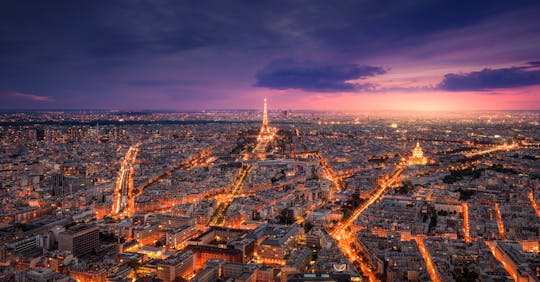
(271, 140)
(315, 55)
(239, 195)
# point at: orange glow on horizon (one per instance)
(525, 98)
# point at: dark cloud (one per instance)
(124, 28)
(366, 28)
(491, 79)
(88, 47)
(313, 76)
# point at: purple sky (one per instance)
(352, 55)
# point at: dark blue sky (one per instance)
(302, 54)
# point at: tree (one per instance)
(346, 213)
(22, 226)
(308, 226)
(135, 265)
(286, 216)
(465, 275)
(406, 187)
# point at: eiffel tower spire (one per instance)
(265, 115)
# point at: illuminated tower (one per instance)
(265, 135)
(417, 157)
(266, 131)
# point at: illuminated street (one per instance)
(123, 196)
(393, 178)
(534, 203)
(504, 147)
(328, 171)
(218, 218)
(466, 224)
(500, 223)
(344, 240)
(432, 269)
(500, 257)
(344, 236)
(203, 158)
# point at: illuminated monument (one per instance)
(265, 135)
(417, 157)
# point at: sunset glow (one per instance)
(363, 56)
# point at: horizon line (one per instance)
(112, 110)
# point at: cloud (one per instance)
(32, 97)
(492, 78)
(315, 77)
(93, 46)
(160, 82)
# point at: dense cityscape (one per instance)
(269, 196)
(269, 141)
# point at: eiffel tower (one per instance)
(266, 132)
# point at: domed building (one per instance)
(417, 157)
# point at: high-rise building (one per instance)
(59, 185)
(80, 240)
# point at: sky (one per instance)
(419, 55)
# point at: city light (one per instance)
(269, 141)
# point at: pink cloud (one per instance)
(32, 97)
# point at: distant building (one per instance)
(169, 222)
(298, 277)
(23, 246)
(417, 157)
(275, 248)
(314, 238)
(178, 238)
(206, 252)
(228, 244)
(147, 234)
(40, 134)
(80, 240)
(181, 265)
(299, 260)
(35, 275)
(41, 275)
(59, 185)
(208, 274)
(89, 272)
